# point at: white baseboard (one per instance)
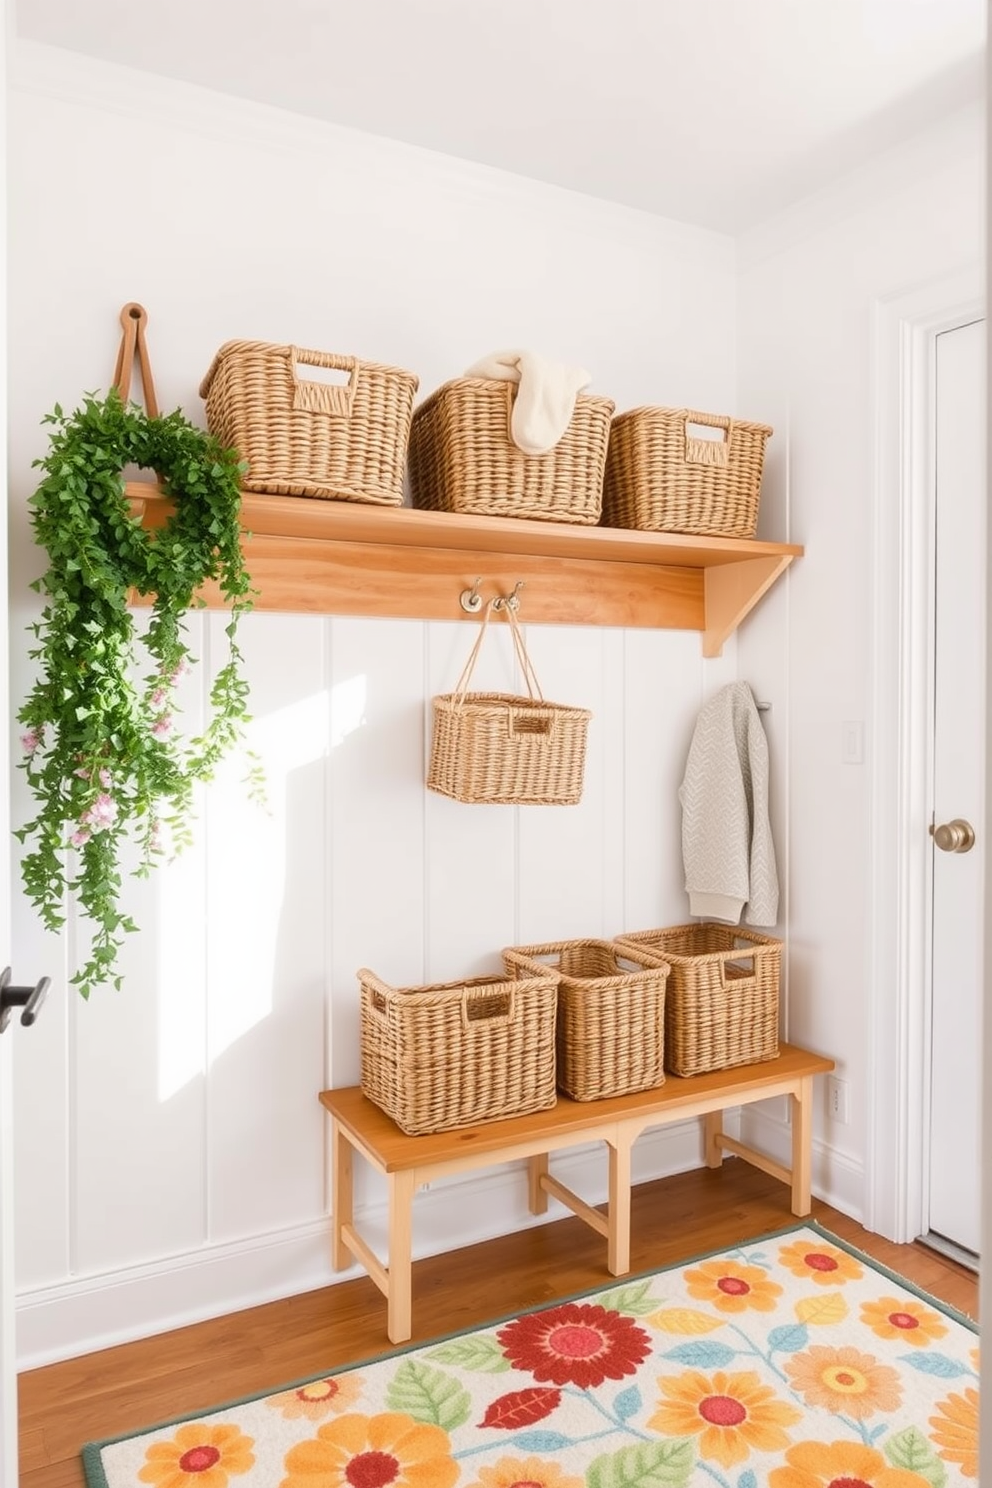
(837, 1179)
(96, 1312)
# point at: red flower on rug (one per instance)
(578, 1343)
(840, 1464)
(198, 1456)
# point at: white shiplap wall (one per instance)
(170, 1144)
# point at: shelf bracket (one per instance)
(731, 591)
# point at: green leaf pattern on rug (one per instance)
(476, 1351)
(911, 1451)
(427, 1395)
(635, 1300)
(663, 1464)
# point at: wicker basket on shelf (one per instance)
(661, 478)
(345, 442)
(458, 1053)
(463, 460)
(611, 1014)
(722, 1005)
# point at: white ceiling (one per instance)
(715, 112)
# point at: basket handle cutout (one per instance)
(735, 973)
(322, 395)
(488, 1007)
(526, 667)
(528, 723)
(701, 449)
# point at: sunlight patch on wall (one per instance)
(221, 903)
(247, 851)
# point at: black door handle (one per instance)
(28, 998)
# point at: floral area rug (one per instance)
(790, 1362)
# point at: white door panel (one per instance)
(959, 785)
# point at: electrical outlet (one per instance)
(837, 1099)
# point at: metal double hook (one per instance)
(471, 600)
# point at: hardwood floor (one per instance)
(134, 1385)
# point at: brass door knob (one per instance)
(956, 836)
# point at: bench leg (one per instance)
(712, 1131)
(342, 1195)
(802, 1147)
(537, 1168)
(618, 1217)
(399, 1297)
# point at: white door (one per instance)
(958, 791)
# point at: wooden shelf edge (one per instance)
(337, 557)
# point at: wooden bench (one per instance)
(407, 1162)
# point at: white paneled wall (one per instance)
(192, 1120)
(170, 1145)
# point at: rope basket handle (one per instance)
(323, 397)
(134, 318)
(519, 646)
(707, 451)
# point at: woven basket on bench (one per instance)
(722, 1005)
(463, 460)
(345, 442)
(457, 1053)
(659, 478)
(611, 1014)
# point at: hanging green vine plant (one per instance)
(103, 752)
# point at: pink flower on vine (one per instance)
(30, 741)
(80, 837)
(162, 727)
(156, 842)
(181, 669)
(106, 779)
(159, 697)
(102, 813)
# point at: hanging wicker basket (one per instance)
(499, 748)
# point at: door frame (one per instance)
(8, 1354)
(905, 327)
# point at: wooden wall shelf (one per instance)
(342, 558)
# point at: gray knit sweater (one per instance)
(727, 846)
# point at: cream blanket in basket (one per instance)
(727, 845)
(545, 401)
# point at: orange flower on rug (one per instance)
(788, 1362)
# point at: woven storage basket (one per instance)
(463, 460)
(611, 1014)
(659, 478)
(722, 1005)
(458, 1053)
(498, 748)
(305, 438)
